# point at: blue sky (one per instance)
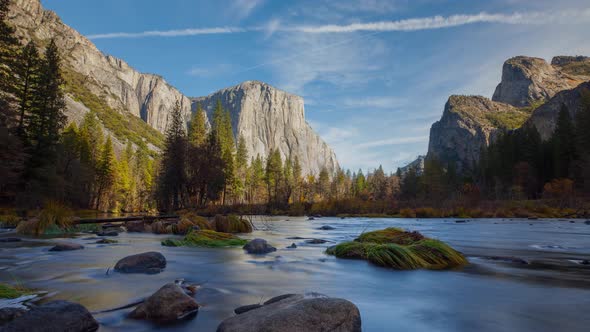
(375, 74)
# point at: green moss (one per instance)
(508, 120)
(206, 238)
(400, 250)
(123, 126)
(10, 292)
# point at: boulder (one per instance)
(170, 303)
(259, 246)
(9, 314)
(310, 313)
(54, 316)
(246, 308)
(66, 246)
(135, 226)
(292, 246)
(147, 262)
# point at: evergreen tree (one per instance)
(171, 188)
(8, 55)
(197, 135)
(28, 69)
(563, 140)
(106, 173)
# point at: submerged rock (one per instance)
(66, 246)
(326, 228)
(147, 262)
(106, 241)
(10, 239)
(508, 259)
(259, 246)
(316, 241)
(54, 316)
(291, 313)
(170, 303)
(9, 314)
(108, 233)
(292, 246)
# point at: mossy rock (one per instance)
(400, 250)
(206, 238)
(232, 224)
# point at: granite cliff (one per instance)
(135, 106)
(531, 93)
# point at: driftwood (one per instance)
(123, 219)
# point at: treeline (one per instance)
(41, 161)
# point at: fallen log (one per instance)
(122, 219)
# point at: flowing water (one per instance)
(551, 293)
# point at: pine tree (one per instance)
(173, 174)
(563, 144)
(28, 69)
(8, 55)
(106, 172)
(197, 134)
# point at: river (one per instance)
(551, 293)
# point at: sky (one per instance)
(374, 74)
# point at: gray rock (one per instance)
(292, 246)
(170, 303)
(259, 246)
(246, 308)
(66, 246)
(310, 313)
(107, 233)
(326, 228)
(52, 317)
(147, 262)
(526, 79)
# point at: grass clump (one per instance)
(55, 217)
(206, 238)
(232, 224)
(12, 292)
(400, 250)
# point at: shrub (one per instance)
(232, 224)
(206, 238)
(407, 213)
(12, 292)
(9, 220)
(401, 250)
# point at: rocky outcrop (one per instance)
(292, 312)
(54, 316)
(544, 118)
(417, 165)
(467, 125)
(268, 118)
(527, 79)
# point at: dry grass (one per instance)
(397, 249)
(54, 215)
(232, 224)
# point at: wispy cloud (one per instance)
(210, 71)
(387, 102)
(392, 141)
(243, 8)
(168, 33)
(412, 24)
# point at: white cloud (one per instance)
(243, 8)
(168, 33)
(393, 141)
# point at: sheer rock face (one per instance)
(545, 117)
(464, 130)
(267, 119)
(527, 79)
(123, 88)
